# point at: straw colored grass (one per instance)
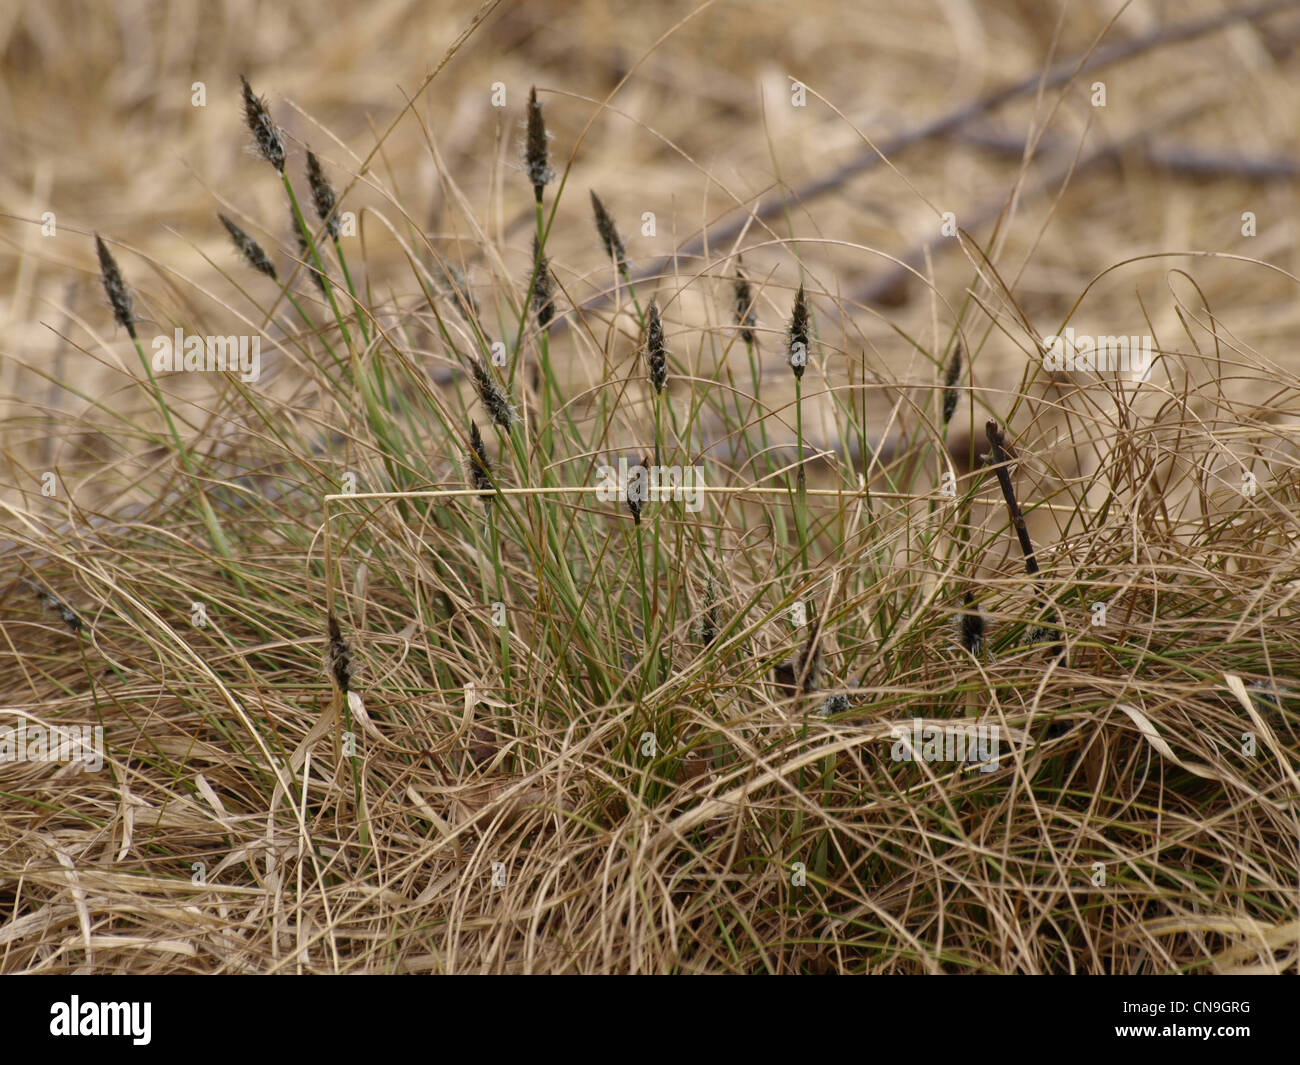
(387, 687)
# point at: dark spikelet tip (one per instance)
(480, 474)
(494, 399)
(609, 237)
(536, 155)
(744, 306)
(339, 657)
(799, 318)
(266, 136)
(119, 297)
(322, 195)
(249, 249)
(954, 366)
(655, 350)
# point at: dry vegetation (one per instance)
(329, 750)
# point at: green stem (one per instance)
(215, 531)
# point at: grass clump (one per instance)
(576, 729)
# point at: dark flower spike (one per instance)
(322, 196)
(970, 627)
(119, 298)
(543, 288)
(744, 307)
(338, 657)
(494, 398)
(799, 350)
(477, 465)
(609, 235)
(266, 136)
(535, 152)
(638, 488)
(950, 384)
(249, 249)
(656, 353)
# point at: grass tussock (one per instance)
(387, 684)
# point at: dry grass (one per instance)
(654, 764)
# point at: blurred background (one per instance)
(125, 119)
